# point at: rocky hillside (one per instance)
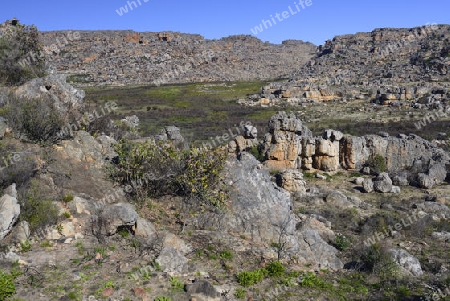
(128, 57)
(387, 65)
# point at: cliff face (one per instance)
(128, 57)
(385, 54)
(388, 65)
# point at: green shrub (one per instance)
(226, 254)
(37, 118)
(341, 242)
(7, 285)
(161, 169)
(257, 153)
(379, 262)
(38, 211)
(310, 279)
(249, 278)
(177, 284)
(378, 164)
(21, 55)
(240, 293)
(275, 269)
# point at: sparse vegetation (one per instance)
(37, 210)
(21, 55)
(37, 119)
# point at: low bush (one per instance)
(249, 278)
(15, 166)
(37, 118)
(21, 55)
(37, 210)
(160, 169)
(7, 285)
(377, 164)
(275, 269)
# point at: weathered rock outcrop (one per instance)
(262, 211)
(126, 57)
(411, 159)
(9, 211)
(402, 66)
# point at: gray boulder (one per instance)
(382, 183)
(441, 236)
(437, 209)
(115, 216)
(65, 96)
(202, 290)
(144, 229)
(339, 200)
(400, 179)
(262, 211)
(409, 264)
(9, 210)
(291, 180)
(172, 261)
(368, 185)
(435, 175)
(21, 232)
(316, 251)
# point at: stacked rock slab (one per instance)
(290, 145)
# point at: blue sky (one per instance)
(316, 23)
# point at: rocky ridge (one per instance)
(128, 57)
(386, 65)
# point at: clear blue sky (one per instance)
(216, 19)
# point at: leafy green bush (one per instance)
(341, 242)
(378, 164)
(21, 56)
(159, 169)
(257, 153)
(240, 293)
(275, 269)
(249, 278)
(7, 285)
(36, 118)
(310, 279)
(177, 284)
(379, 262)
(226, 254)
(38, 211)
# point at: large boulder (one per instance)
(114, 216)
(202, 290)
(382, 183)
(172, 261)
(65, 97)
(408, 264)
(291, 180)
(262, 211)
(9, 210)
(435, 175)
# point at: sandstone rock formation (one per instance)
(388, 66)
(9, 211)
(262, 211)
(128, 57)
(290, 145)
